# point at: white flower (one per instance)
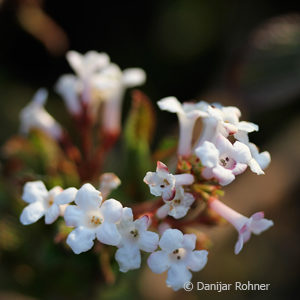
(223, 160)
(177, 207)
(44, 203)
(34, 116)
(245, 226)
(89, 64)
(135, 237)
(68, 86)
(177, 256)
(163, 183)
(108, 183)
(263, 159)
(92, 218)
(223, 120)
(187, 114)
(111, 83)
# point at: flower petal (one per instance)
(52, 213)
(66, 196)
(142, 223)
(163, 211)
(170, 104)
(158, 261)
(178, 275)
(81, 239)
(32, 213)
(88, 198)
(34, 191)
(239, 244)
(127, 214)
(111, 210)
(75, 60)
(189, 241)
(148, 241)
(196, 260)
(73, 216)
(241, 152)
(257, 227)
(255, 167)
(239, 168)
(133, 77)
(128, 258)
(171, 239)
(208, 154)
(108, 234)
(224, 176)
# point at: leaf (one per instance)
(138, 134)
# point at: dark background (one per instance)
(244, 53)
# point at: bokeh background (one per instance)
(244, 53)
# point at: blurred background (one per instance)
(244, 53)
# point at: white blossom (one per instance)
(41, 202)
(69, 86)
(224, 160)
(177, 256)
(187, 113)
(163, 183)
(135, 237)
(34, 116)
(245, 226)
(178, 206)
(92, 218)
(108, 183)
(112, 83)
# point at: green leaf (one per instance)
(138, 133)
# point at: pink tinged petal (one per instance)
(34, 191)
(207, 173)
(148, 241)
(128, 258)
(189, 241)
(73, 216)
(178, 275)
(258, 224)
(133, 77)
(239, 245)
(224, 176)
(247, 126)
(258, 216)
(81, 239)
(184, 179)
(158, 262)
(162, 212)
(142, 223)
(111, 210)
(239, 168)
(196, 260)
(170, 104)
(66, 196)
(168, 194)
(88, 198)
(171, 240)
(107, 233)
(161, 167)
(55, 191)
(32, 213)
(229, 129)
(52, 213)
(208, 154)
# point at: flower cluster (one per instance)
(185, 197)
